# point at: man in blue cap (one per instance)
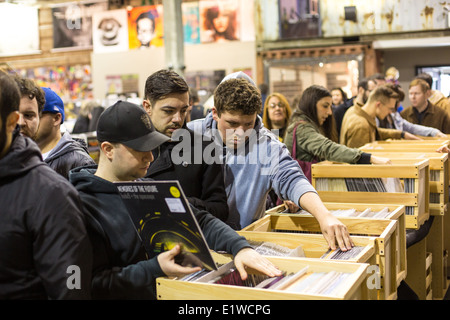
(59, 151)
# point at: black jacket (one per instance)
(121, 270)
(67, 155)
(42, 232)
(202, 183)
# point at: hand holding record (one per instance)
(170, 268)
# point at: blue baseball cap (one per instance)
(53, 103)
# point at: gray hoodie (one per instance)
(68, 154)
(250, 174)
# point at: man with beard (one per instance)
(31, 104)
(46, 253)
(166, 101)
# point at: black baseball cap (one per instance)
(127, 123)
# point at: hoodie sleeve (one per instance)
(288, 180)
(218, 235)
(135, 281)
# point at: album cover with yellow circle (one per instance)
(163, 218)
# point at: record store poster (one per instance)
(72, 24)
(110, 31)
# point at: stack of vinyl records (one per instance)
(305, 282)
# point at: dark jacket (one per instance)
(67, 155)
(432, 116)
(202, 183)
(42, 232)
(121, 270)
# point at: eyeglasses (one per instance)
(274, 105)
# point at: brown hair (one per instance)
(29, 89)
(237, 95)
(383, 93)
(421, 83)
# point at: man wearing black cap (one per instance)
(121, 269)
(60, 151)
(43, 239)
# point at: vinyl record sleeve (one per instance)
(163, 218)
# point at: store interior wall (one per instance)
(228, 56)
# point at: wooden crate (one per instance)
(420, 274)
(390, 243)
(417, 170)
(438, 239)
(315, 246)
(406, 145)
(439, 174)
(352, 288)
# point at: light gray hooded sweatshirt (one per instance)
(264, 164)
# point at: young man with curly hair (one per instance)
(255, 161)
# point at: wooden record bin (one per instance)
(315, 246)
(439, 173)
(417, 170)
(438, 239)
(390, 244)
(351, 288)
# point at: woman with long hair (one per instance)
(312, 125)
(277, 113)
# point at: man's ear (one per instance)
(108, 149)
(58, 118)
(147, 106)
(215, 114)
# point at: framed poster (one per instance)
(191, 22)
(72, 24)
(110, 31)
(219, 21)
(145, 27)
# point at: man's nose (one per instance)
(21, 120)
(176, 117)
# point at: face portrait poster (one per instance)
(72, 24)
(299, 19)
(145, 27)
(20, 29)
(191, 22)
(110, 31)
(219, 21)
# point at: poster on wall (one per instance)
(219, 21)
(299, 19)
(145, 27)
(191, 22)
(110, 31)
(20, 29)
(72, 24)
